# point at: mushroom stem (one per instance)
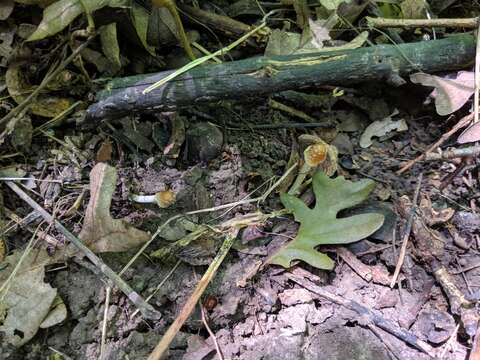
(143, 199)
(302, 174)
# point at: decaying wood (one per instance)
(265, 75)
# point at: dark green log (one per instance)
(264, 75)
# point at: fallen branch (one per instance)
(264, 75)
(146, 309)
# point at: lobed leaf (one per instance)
(320, 225)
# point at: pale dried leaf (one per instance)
(100, 232)
(380, 128)
(25, 301)
(332, 4)
(57, 314)
(450, 94)
(319, 31)
(471, 134)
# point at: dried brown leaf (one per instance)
(100, 231)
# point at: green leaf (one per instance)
(140, 21)
(332, 4)
(60, 14)
(413, 9)
(109, 40)
(320, 225)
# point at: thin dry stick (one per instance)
(472, 151)
(467, 23)
(408, 229)
(147, 310)
(461, 124)
(105, 322)
(45, 82)
(449, 343)
(187, 309)
(205, 323)
(147, 299)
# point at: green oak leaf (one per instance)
(320, 225)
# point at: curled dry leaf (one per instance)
(450, 94)
(434, 216)
(100, 232)
(380, 128)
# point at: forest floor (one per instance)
(209, 155)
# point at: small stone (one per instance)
(204, 142)
(295, 296)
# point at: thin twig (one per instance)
(467, 23)
(147, 299)
(108, 290)
(212, 335)
(147, 310)
(459, 125)
(45, 82)
(472, 151)
(406, 235)
(449, 342)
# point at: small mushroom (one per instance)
(318, 155)
(163, 199)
